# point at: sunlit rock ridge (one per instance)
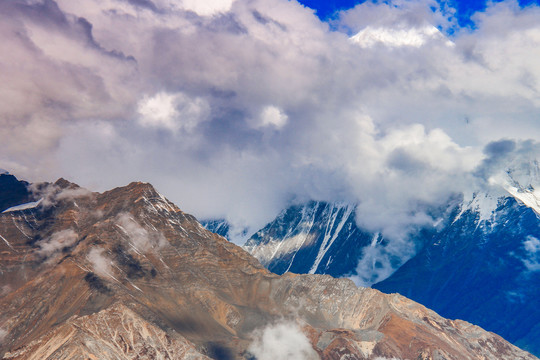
(127, 274)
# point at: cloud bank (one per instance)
(238, 108)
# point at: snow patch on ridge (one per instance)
(7, 242)
(331, 233)
(26, 206)
(529, 198)
(521, 182)
(296, 237)
(275, 248)
(484, 204)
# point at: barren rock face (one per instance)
(126, 274)
(113, 333)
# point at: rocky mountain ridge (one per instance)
(126, 274)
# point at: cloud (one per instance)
(51, 194)
(511, 164)
(100, 263)
(281, 341)
(532, 249)
(209, 7)
(243, 109)
(172, 112)
(56, 242)
(380, 260)
(140, 238)
(273, 116)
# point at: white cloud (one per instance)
(415, 37)
(56, 242)
(208, 7)
(100, 263)
(50, 194)
(273, 116)
(532, 248)
(172, 111)
(140, 238)
(380, 260)
(281, 341)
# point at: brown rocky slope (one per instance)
(126, 275)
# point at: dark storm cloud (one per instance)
(400, 160)
(515, 159)
(499, 148)
(147, 4)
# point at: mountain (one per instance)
(481, 263)
(324, 238)
(317, 237)
(12, 191)
(222, 227)
(485, 271)
(217, 226)
(126, 274)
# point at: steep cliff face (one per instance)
(315, 238)
(324, 238)
(126, 274)
(113, 333)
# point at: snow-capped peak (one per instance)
(522, 182)
(4, 172)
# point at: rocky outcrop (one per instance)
(113, 333)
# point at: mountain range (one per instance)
(125, 274)
(479, 261)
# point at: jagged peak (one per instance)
(65, 184)
(144, 193)
(133, 190)
(142, 186)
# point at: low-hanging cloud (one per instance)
(99, 262)
(51, 194)
(57, 242)
(250, 105)
(140, 238)
(381, 258)
(281, 341)
(532, 253)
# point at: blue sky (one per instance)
(464, 8)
